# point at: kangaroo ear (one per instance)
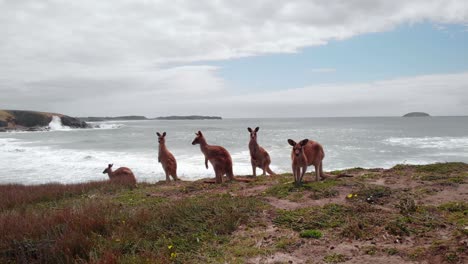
(256, 129)
(164, 134)
(249, 129)
(304, 142)
(291, 142)
(200, 133)
(110, 165)
(157, 133)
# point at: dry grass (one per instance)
(4, 115)
(16, 195)
(193, 222)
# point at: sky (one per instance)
(304, 58)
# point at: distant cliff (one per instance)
(134, 117)
(107, 118)
(416, 114)
(33, 120)
(192, 117)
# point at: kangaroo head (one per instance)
(297, 147)
(108, 169)
(161, 138)
(198, 138)
(253, 133)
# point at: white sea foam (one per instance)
(40, 164)
(82, 155)
(429, 142)
(106, 125)
(56, 124)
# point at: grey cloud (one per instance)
(52, 52)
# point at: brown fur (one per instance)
(166, 159)
(218, 156)
(305, 153)
(121, 174)
(259, 157)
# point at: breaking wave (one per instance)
(429, 142)
(56, 124)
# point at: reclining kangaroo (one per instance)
(219, 158)
(258, 155)
(305, 153)
(166, 158)
(120, 174)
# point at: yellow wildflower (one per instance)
(350, 196)
(170, 246)
(173, 255)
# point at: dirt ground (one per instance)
(404, 220)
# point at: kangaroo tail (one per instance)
(230, 174)
(270, 171)
(331, 176)
(342, 175)
(242, 179)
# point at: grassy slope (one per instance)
(4, 115)
(405, 214)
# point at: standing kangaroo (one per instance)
(305, 153)
(218, 156)
(166, 158)
(122, 174)
(258, 155)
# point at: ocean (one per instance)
(66, 155)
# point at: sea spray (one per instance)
(56, 124)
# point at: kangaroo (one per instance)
(121, 174)
(166, 158)
(258, 155)
(305, 153)
(218, 156)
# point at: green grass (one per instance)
(335, 258)
(328, 216)
(391, 251)
(442, 168)
(319, 190)
(311, 234)
(195, 222)
(373, 194)
(127, 231)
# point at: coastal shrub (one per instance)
(106, 231)
(14, 195)
(406, 205)
(53, 236)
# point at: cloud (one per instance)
(439, 94)
(442, 94)
(65, 53)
